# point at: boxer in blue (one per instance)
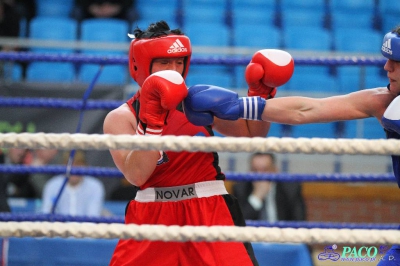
(383, 103)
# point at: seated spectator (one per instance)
(19, 185)
(40, 158)
(270, 201)
(9, 22)
(82, 195)
(26, 8)
(4, 207)
(119, 9)
(9, 27)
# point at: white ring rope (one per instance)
(198, 233)
(66, 141)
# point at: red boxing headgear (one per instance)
(142, 52)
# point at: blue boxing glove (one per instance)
(206, 101)
(391, 117)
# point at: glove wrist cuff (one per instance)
(251, 108)
(252, 92)
(144, 129)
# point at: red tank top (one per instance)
(183, 167)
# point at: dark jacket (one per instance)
(289, 201)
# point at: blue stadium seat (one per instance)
(368, 128)
(282, 254)
(239, 79)
(313, 82)
(59, 251)
(204, 13)
(111, 74)
(256, 35)
(353, 78)
(256, 4)
(104, 30)
(154, 11)
(17, 74)
(315, 79)
(307, 38)
(211, 75)
(218, 3)
(351, 19)
(248, 15)
(23, 27)
(140, 3)
(275, 131)
(372, 129)
(317, 5)
(376, 79)
(54, 8)
(302, 17)
(53, 28)
(357, 40)
(318, 130)
(356, 6)
(12, 72)
(144, 23)
(389, 22)
(350, 78)
(389, 7)
(349, 129)
(23, 205)
(310, 69)
(50, 72)
(207, 34)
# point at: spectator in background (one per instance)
(9, 22)
(19, 185)
(4, 207)
(40, 158)
(119, 9)
(82, 196)
(9, 27)
(26, 8)
(271, 201)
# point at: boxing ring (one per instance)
(58, 226)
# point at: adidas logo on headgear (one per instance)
(177, 47)
(387, 47)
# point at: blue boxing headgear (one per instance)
(391, 46)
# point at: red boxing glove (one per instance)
(160, 92)
(268, 69)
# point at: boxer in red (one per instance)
(176, 188)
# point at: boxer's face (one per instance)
(177, 64)
(393, 73)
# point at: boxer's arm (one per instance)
(160, 92)
(136, 165)
(241, 128)
(296, 110)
